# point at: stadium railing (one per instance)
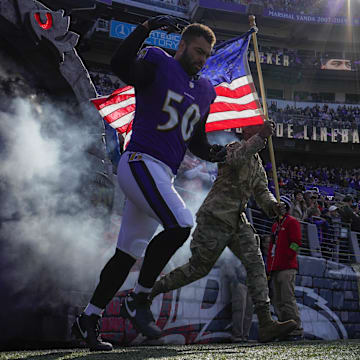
(335, 242)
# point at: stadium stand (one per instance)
(322, 7)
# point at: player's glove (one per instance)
(168, 23)
(217, 153)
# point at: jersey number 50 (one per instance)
(190, 118)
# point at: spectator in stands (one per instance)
(312, 210)
(298, 209)
(282, 267)
(324, 231)
(348, 215)
(333, 214)
(342, 118)
(355, 207)
(320, 202)
(334, 179)
(308, 200)
(333, 218)
(233, 274)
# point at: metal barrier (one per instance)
(334, 242)
(306, 248)
(355, 244)
(260, 221)
(331, 242)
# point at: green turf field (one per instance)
(347, 350)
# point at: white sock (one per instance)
(139, 289)
(92, 309)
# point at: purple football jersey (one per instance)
(168, 109)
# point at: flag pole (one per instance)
(264, 105)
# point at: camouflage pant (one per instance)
(210, 238)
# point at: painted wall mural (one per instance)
(327, 295)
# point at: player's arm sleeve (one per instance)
(125, 64)
(198, 143)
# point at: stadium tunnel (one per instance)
(39, 61)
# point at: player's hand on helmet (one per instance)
(168, 23)
(279, 208)
(267, 129)
(217, 153)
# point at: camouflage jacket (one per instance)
(239, 177)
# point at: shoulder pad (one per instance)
(152, 54)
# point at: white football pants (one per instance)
(151, 199)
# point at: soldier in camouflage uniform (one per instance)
(221, 222)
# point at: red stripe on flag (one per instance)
(123, 129)
(234, 123)
(98, 101)
(121, 90)
(115, 100)
(127, 135)
(224, 106)
(129, 127)
(236, 93)
(119, 113)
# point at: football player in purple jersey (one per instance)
(172, 105)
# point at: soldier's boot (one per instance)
(269, 329)
(157, 289)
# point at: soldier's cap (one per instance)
(347, 198)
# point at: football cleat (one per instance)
(136, 307)
(87, 328)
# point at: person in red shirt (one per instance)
(282, 267)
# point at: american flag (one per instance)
(236, 105)
(118, 110)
